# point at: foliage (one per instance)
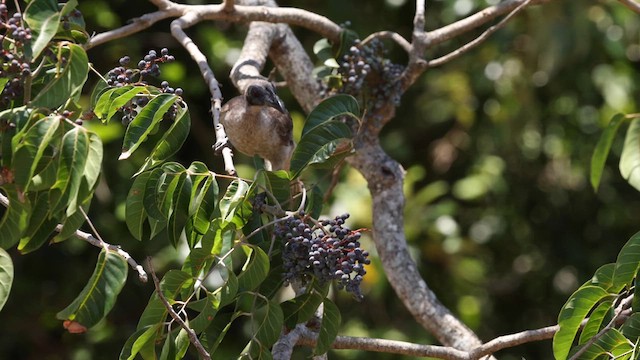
(54, 158)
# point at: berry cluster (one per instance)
(15, 67)
(149, 66)
(366, 72)
(326, 254)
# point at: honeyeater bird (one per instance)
(257, 123)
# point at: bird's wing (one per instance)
(283, 125)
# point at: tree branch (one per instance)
(142, 275)
(177, 30)
(308, 338)
(477, 41)
(631, 4)
(193, 338)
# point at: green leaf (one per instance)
(229, 290)
(612, 344)
(169, 347)
(69, 226)
(234, 196)
(68, 82)
(93, 165)
(267, 323)
(31, 148)
(631, 327)
(6, 276)
(603, 278)
(180, 211)
(99, 295)
(627, 262)
(16, 217)
(595, 322)
(73, 158)
(573, 312)
(329, 109)
(43, 19)
(142, 125)
(105, 100)
(41, 225)
(301, 309)
(142, 338)
(215, 333)
(122, 99)
(277, 183)
(203, 202)
(172, 285)
(329, 329)
(630, 157)
(315, 202)
(312, 147)
(134, 210)
(206, 315)
(602, 149)
(255, 269)
(198, 262)
(171, 141)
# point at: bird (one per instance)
(257, 123)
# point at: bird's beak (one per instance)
(277, 104)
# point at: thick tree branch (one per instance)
(142, 275)
(385, 179)
(193, 338)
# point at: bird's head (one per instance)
(259, 95)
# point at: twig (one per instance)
(142, 275)
(477, 41)
(404, 44)
(193, 338)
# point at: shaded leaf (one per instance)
(135, 214)
(329, 329)
(312, 145)
(595, 322)
(602, 149)
(16, 217)
(330, 108)
(99, 295)
(180, 210)
(255, 269)
(267, 323)
(301, 309)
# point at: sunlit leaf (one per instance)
(142, 125)
(595, 321)
(203, 202)
(122, 99)
(142, 338)
(41, 225)
(43, 19)
(627, 262)
(99, 295)
(602, 149)
(171, 140)
(234, 196)
(6, 276)
(630, 157)
(105, 101)
(32, 147)
(73, 158)
(68, 82)
(571, 316)
(611, 344)
(329, 329)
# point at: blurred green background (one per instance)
(500, 214)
